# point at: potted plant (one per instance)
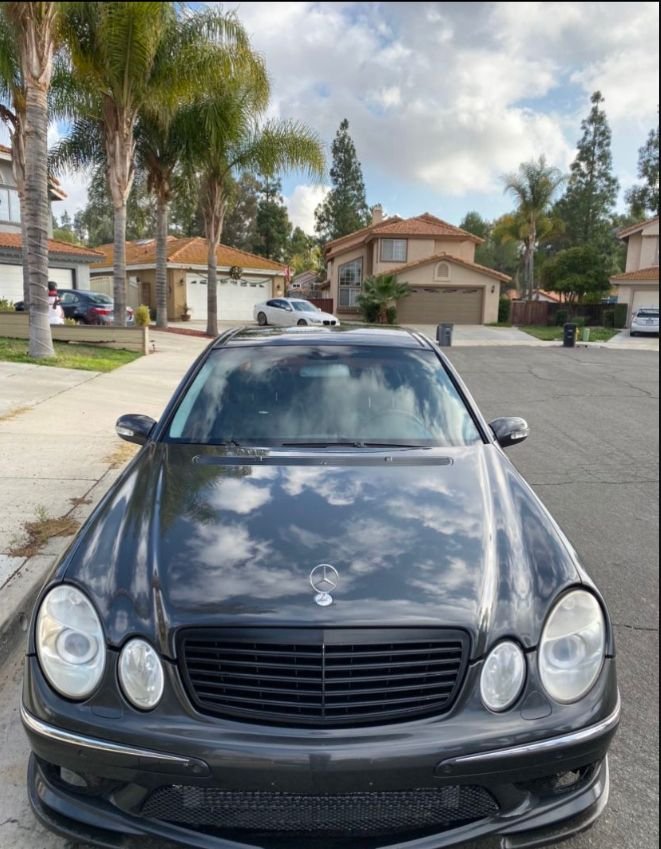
(186, 313)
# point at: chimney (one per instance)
(377, 214)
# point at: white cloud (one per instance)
(449, 96)
(302, 203)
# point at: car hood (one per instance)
(193, 536)
(322, 315)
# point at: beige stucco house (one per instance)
(257, 278)
(638, 285)
(435, 258)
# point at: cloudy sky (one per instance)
(443, 98)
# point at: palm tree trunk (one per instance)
(161, 261)
(119, 267)
(212, 287)
(37, 212)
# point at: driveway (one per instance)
(481, 334)
(623, 340)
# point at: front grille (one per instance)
(342, 815)
(323, 677)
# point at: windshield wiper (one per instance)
(226, 442)
(353, 443)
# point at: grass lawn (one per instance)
(85, 357)
(554, 334)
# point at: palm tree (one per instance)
(211, 45)
(379, 294)
(33, 28)
(12, 114)
(225, 138)
(533, 186)
(127, 58)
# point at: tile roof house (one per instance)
(260, 278)
(638, 285)
(435, 258)
(68, 264)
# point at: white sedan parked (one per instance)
(286, 312)
(645, 320)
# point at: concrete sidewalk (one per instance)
(59, 451)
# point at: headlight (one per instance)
(141, 674)
(70, 642)
(503, 674)
(572, 648)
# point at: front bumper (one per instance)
(124, 767)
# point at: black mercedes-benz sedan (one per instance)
(320, 609)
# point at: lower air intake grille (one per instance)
(341, 815)
(328, 677)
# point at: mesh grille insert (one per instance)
(342, 815)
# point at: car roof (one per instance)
(365, 336)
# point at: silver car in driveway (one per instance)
(289, 312)
(645, 320)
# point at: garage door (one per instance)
(644, 298)
(11, 280)
(62, 276)
(432, 305)
(236, 298)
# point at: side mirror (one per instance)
(510, 430)
(134, 428)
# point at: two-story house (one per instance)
(69, 265)
(638, 285)
(435, 258)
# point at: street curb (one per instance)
(19, 593)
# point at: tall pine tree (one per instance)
(344, 208)
(644, 200)
(587, 205)
(272, 224)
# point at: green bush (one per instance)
(608, 318)
(369, 311)
(579, 321)
(504, 310)
(70, 322)
(621, 311)
(6, 305)
(142, 317)
(561, 317)
(391, 315)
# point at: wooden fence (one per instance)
(15, 326)
(545, 313)
(325, 304)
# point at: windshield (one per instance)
(314, 395)
(647, 314)
(98, 298)
(304, 306)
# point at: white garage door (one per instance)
(236, 298)
(645, 298)
(11, 280)
(62, 276)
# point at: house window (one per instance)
(10, 207)
(442, 271)
(351, 273)
(393, 250)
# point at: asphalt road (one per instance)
(593, 459)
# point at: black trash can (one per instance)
(569, 335)
(444, 334)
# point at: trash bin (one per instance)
(569, 335)
(585, 334)
(444, 335)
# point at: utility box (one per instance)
(444, 335)
(569, 335)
